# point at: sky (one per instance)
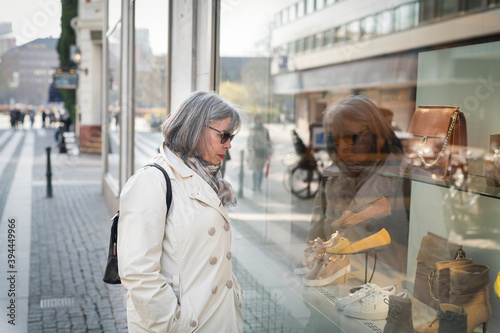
(32, 19)
(243, 22)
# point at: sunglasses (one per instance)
(224, 135)
(350, 139)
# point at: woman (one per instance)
(259, 151)
(366, 155)
(177, 269)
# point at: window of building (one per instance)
(299, 45)
(405, 16)
(446, 8)
(471, 5)
(292, 13)
(340, 34)
(319, 40)
(320, 4)
(309, 6)
(308, 43)
(384, 22)
(291, 48)
(367, 27)
(301, 9)
(329, 37)
(352, 31)
(284, 16)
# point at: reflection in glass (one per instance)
(151, 28)
(114, 41)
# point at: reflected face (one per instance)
(354, 143)
(213, 151)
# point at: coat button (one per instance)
(211, 231)
(178, 314)
(229, 255)
(213, 260)
(226, 226)
(214, 289)
(193, 323)
(229, 284)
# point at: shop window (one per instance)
(150, 77)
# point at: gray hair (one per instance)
(185, 130)
(361, 110)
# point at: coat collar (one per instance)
(198, 187)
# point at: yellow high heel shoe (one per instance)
(497, 285)
(344, 246)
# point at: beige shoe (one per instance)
(379, 208)
(375, 241)
(333, 267)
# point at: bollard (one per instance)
(49, 174)
(240, 192)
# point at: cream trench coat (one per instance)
(178, 272)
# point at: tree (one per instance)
(68, 37)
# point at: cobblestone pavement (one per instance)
(68, 247)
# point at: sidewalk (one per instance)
(61, 242)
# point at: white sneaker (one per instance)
(366, 288)
(374, 306)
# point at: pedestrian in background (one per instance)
(259, 151)
(178, 269)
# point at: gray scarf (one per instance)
(212, 175)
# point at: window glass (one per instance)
(319, 40)
(367, 27)
(309, 6)
(385, 22)
(352, 33)
(329, 37)
(292, 12)
(332, 161)
(405, 16)
(301, 9)
(446, 8)
(114, 45)
(340, 34)
(151, 26)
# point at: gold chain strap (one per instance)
(429, 282)
(441, 153)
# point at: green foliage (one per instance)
(68, 37)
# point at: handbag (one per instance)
(438, 146)
(111, 275)
(433, 248)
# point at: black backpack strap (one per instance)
(169, 186)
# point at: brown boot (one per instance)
(443, 277)
(470, 289)
(449, 319)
